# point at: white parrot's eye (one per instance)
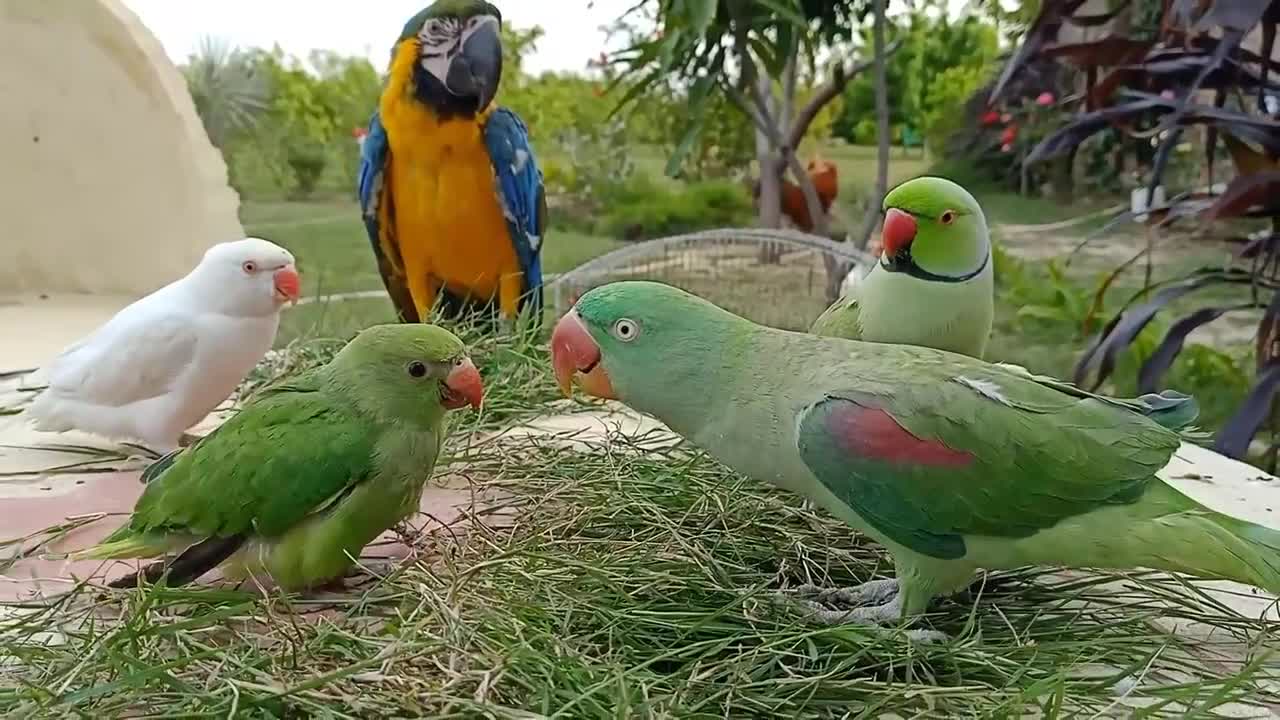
(626, 329)
(250, 267)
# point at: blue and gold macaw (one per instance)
(451, 193)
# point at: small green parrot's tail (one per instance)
(123, 544)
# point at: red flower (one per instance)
(1045, 99)
(1009, 135)
(990, 117)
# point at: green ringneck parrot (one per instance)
(310, 471)
(450, 192)
(952, 463)
(933, 284)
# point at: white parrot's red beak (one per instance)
(462, 387)
(288, 284)
(575, 354)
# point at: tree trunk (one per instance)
(885, 133)
(770, 202)
(770, 189)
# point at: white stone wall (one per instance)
(108, 182)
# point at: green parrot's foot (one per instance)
(335, 586)
(873, 592)
(875, 603)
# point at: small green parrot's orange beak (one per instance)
(575, 354)
(462, 386)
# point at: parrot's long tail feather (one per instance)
(191, 564)
(1200, 541)
(1256, 550)
(123, 545)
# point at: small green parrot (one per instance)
(310, 471)
(952, 463)
(933, 285)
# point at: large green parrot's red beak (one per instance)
(575, 354)
(462, 387)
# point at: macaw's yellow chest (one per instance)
(449, 222)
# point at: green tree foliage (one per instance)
(229, 92)
(303, 126)
(939, 65)
(751, 55)
(596, 164)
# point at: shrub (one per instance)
(307, 160)
(642, 208)
(948, 92)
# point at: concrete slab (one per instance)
(51, 525)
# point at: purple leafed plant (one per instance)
(1179, 64)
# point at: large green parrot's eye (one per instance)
(417, 369)
(626, 329)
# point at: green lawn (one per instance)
(333, 250)
(334, 257)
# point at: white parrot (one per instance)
(163, 363)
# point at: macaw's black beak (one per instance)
(477, 68)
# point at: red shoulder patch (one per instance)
(874, 434)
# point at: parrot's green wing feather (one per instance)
(840, 319)
(974, 457)
(259, 472)
(1170, 408)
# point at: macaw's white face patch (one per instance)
(441, 39)
(438, 41)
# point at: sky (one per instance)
(368, 28)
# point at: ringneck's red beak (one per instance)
(575, 354)
(898, 232)
(288, 284)
(463, 386)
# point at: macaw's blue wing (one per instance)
(376, 207)
(521, 193)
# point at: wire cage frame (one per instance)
(780, 278)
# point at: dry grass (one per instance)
(628, 584)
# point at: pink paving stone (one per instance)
(113, 495)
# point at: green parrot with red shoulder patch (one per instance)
(952, 463)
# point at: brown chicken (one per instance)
(825, 180)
